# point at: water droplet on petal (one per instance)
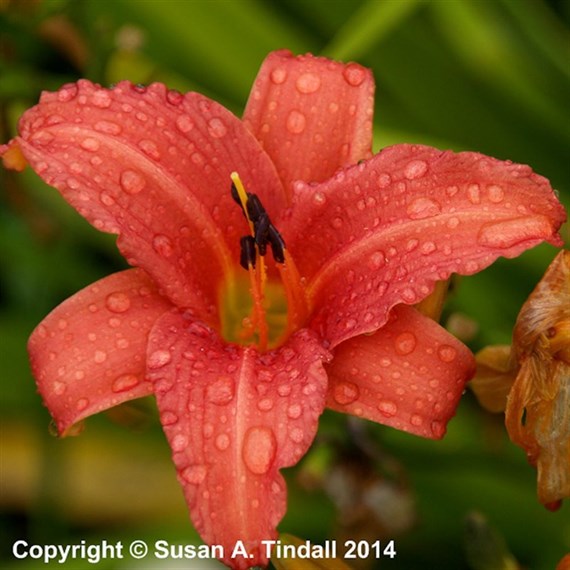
(405, 343)
(412, 244)
(100, 356)
(101, 99)
(408, 295)
(296, 434)
(428, 247)
(195, 474)
(437, 429)
(319, 198)
(82, 403)
(222, 441)
(149, 147)
(446, 353)
(496, 193)
(90, 144)
(421, 208)
(514, 231)
(158, 359)
(345, 393)
(416, 420)
(184, 123)
(125, 382)
(308, 83)
(296, 122)
(118, 302)
(67, 93)
(132, 181)
(415, 169)
(294, 411)
(216, 128)
(387, 408)
(259, 449)
(108, 127)
(59, 387)
(162, 245)
(168, 418)
(221, 392)
(265, 405)
(354, 74)
(474, 193)
(278, 76)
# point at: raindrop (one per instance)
(412, 244)
(168, 418)
(415, 169)
(446, 353)
(345, 393)
(437, 429)
(132, 181)
(100, 356)
(118, 302)
(512, 232)
(296, 435)
(162, 245)
(221, 392)
(59, 387)
(387, 408)
(405, 343)
(416, 420)
(102, 99)
(107, 127)
(195, 474)
(125, 382)
(408, 295)
(82, 403)
(149, 147)
(158, 359)
(259, 449)
(496, 193)
(376, 260)
(222, 441)
(67, 93)
(184, 123)
(265, 405)
(428, 247)
(319, 198)
(336, 223)
(294, 411)
(296, 122)
(278, 76)
(421, 208)
(474, 193)
(174, 97)
(90, 144)
(308, 83)
(354, 74)
(452, 223)
(216, 128)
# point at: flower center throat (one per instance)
(258, 310)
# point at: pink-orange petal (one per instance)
(409, 375)
(233, 419)
(383, 232)
(153, 166)
(89, 353)
(311, 115)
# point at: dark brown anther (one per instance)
(277, 244)
(247, 252)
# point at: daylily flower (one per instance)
(243, 361)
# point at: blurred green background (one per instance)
(485, 75)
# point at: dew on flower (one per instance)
(259, 449)
(132, 182)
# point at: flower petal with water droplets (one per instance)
(89, 353)
(408, 375)
(233, 418)
(385, 231)
(311, 115)
(154, 169)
